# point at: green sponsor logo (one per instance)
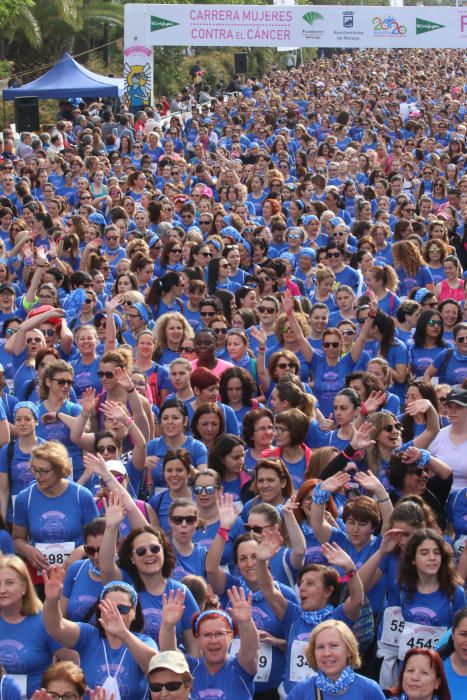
(311, 17)
(159, 23)
(423, 26)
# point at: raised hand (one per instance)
(271, 542)
(336, 556)
(287, 302)
(114, 303)
(114, 510)
(41, 695)
(95, 464)
(391, 539)
(418, 406)
(336, 482)
(290, 506)
(411, 454)
(173, 607)
(369, 481)
(53, 583)
(375, 400)
(259, 334)
(227, 512)
(123, 378)
(113, 410)
(88, 400)
(100, 693)
(361, 438)
(111, 620)
(240, 605)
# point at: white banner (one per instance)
(300, 25)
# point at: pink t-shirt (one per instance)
(220, 367)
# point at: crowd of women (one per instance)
(233, 393)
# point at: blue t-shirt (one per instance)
(152, 610)
(6, 543)
(59, 431)
(131, 680)
(193, 564)
(86, 376)
(456, 510)
(55, 519)
(329, 380)
(361, 689)
(159, 448)
(231, 681)
(80, 590)
(435, 609)
(406, 283)
(26, 648)
(19, 474)
(9, 689)
(454, 370)
(421, 358)
(206, 536)
(457, 684)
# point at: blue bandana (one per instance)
(120, 584)
(142, 310)
(258, 596)
(326, 685)
(27, 404)
(420, 294)
(212, 611)
(314, 617)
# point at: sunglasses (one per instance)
(434, 322)
(171, 686)
(153, 549)
(347, 333)
(220, 331)
(63, 382)
(102, 449)
(266, 310)
(207, 313)
(33, 340)
(256, 529)
(204, 223)
(10, 331)
(206, 255)
(107, 375)
(178, 251)
(393, 427)
(180, 519)
(208, 490)
(124, 609)
(285, 365)
(285, 329)
(294, 236)
(187, 349)
(90, 550)
(49, 332)
(462, 339)
(333, 255)
(329, 344)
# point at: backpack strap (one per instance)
(443, 367)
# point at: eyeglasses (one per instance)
(152, 548)
(208, 490)
(107, 375)
(124, 609)
(132, 316)
(461, 339)
(442, 399)
(393, 427)
(264, 429)
(187, 349)
(224, 265)
(40, 472)
(434, 322)
(330, 344)
(171, 686)
(90, 550)
(279, 429)
(63, 382)
(267, 310)
(333, 255)
(180, 519)
(187, 216)
(361, 320)
(102, 449)
(33, 340)
(207, 313)
(256, 529)
(65, 696)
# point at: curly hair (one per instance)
(407, 256)
(160, 330)
(125, 554)
(281, 323)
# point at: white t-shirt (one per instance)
(454, 455)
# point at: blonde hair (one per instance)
(30, 604)
(123, 358)
(324, 273)
(160, 329)
(55, 454)
(348, 638)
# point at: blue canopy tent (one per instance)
(67, 79)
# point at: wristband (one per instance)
(320, 496)
(348, 575)
(383, 500)
(261, 349)
(363, 409)
(129, 422)
(356, 455)
(424, 458)
(224, 533)
(130, 391)
(56, 415)
(28, 262)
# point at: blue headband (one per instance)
(27, 404)
(211, 611)
(120, 584)
(307, 253)
(421, 294)
(309, 218)
(142, 310)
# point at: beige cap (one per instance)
(116, 466)
(170, 660)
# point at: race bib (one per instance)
(264, 660)
(459, 545)
(55, 552)
(393, 626)
(299, 667)
(417, 636)
(22, 680)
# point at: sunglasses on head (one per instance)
(171, 686)
(102, 449)
(152, 548)
(188, 519)
(107, 375)
(391, 427)
(330, 344)
(208, 490)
